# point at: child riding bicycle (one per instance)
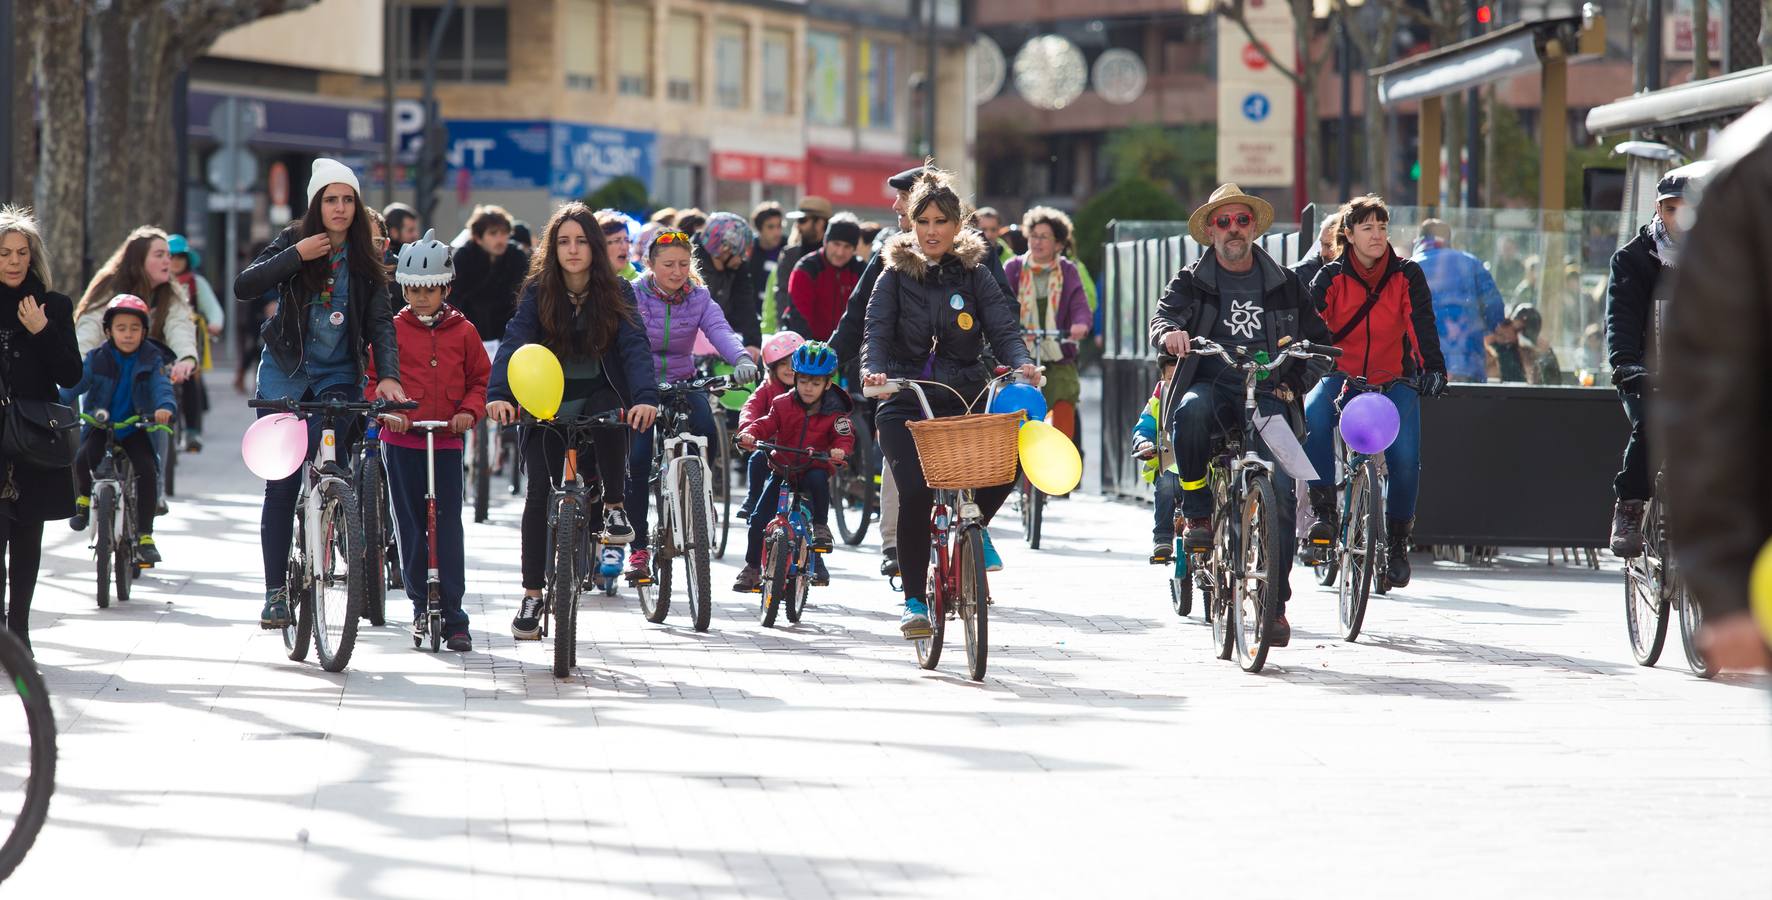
(811, 417)
(446, 374)
(1158, 466)
(124, 378)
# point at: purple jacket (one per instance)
(671, 329)
(1073, 304)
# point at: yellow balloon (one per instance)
(537, 380)
(1049, 458)
(1760, 591)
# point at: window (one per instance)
(875, 84)
(778, 54)
(475, 45)
(826, 87)
(584, 44)
(684, 81)
(633, 55)
(731, 42)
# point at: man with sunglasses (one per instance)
(1238, 296)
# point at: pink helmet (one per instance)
(781, 346)
(128, 303)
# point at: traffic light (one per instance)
(1485, 14)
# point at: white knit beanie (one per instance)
(330, 171)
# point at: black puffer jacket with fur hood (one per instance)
(934, 320)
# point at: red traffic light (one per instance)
(1484, 15)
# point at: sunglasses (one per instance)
(671, 237)
(1242, 220)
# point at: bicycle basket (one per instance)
(971, 451)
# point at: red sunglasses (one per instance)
(1242, 220)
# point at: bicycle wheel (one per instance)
(720, 462)
(300, 630)
(1222, 563)
(372, 484)
(562, 591)
(483, 436)
(1358, 552)
(1691, 624)
(797, 596)
(338, 579)
(1646, 594)
(123, 567)
(777, 575)
(104, 511)
(972, 599)
(697, 576)
(170, 463)
(27, 755)
(852, 492)
(1033, 512)
(938, 601)
(1256, 594)
(1181, 583)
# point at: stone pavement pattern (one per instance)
(1489, 736)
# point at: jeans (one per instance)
(815, 488)
(1197, 418)
(406, 497)
(1168, 485)
(756, 471)
(701, 422)
(277, 521)
(1634, 480)
(1402, 460)
(140, 451)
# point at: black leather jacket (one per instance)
(368, 320)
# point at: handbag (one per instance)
(40, 434)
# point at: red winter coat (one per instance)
(818, 293)
(757, 406)
(1398, 337)
(444, 367)
(824, 429)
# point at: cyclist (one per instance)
(123, 377)
(932, 314)
(811, 417)
(778, 359)
(674, 306)
(211, 322)
(619, 230)
(1158, 466)
(1050, 293)
(820, 285)
(575, 305)
(332, 314)
(722, 249)
(447, 369)
(1381, 314)
(1237, 295)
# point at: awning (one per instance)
(1503, 53)
(1711, 100)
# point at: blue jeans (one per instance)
(639, 493)
(756, 473)
(815, 489)
(406, 497)
(1402, 460)
(1204, 410)
(1168, 486)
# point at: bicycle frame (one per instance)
(674, 445)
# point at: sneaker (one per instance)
(193, 442)
(460, 642)
(640, 564)
(821, 576)
(82, 514)
(821, 538)
(616, 529)
(992, 562)
(750, 581)
(276, 612)
(1198, 537)
(610, 564)
(419, 632)
(1163, 553)
(146, 554)
(526, 625)
(1279, 631)
(1627, 529)
(914, 624)
(889, 562)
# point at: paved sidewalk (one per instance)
(1489, 736)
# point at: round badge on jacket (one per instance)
(965, 321)
(957, 302)
(337, 318)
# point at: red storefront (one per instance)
(855, 181)
(742, 180)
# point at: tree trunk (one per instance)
(115, 154)
(58, 69)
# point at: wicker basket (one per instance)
(970, 451)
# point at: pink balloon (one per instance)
(275, 446)
(702, 347)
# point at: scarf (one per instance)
(670, 298)
(1368, 276)
(1666, 245)
(1049, 349)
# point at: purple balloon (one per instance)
(1369, 423)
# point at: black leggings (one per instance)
(21, 554)
(915, 498)
(192, 399)
(544, 453)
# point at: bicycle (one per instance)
(959, 454)
(381, 555)
(787, 543)
(433, 629)
(683, 501)
(1241, 599)
(1030, 501)
(855, 486)
(571, 505)
(1653, 586)
(114, 516)
(326, 577)
(29, 759)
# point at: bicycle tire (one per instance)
(1218, 605)
(797, 597)
(103, 509)
(1691, 624)
(720, 462)
(777, 553)
(123, 566)
(21, 672)
(698, 579)
(929, 648)
(562, 592)
(973, 600)
(372, 484)
(299, 633)
(853, 482)
(335, 631)
(1258, 543)
(483, 470)
(1646, 593)
(171, 463)
(1357, 552)
(1181, 581)
(1036, 516)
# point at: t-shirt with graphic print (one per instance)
(1240, 321)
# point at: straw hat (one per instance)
(1226, 195)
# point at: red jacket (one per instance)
(818, 293)
(757, 406)
(791, 424)
(1397, 337)
(444, 367)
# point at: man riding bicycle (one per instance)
(1237, 295)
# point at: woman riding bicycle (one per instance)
(575, 305)
(1050, 293)
(1381, 314)
(332, 304)
(932, 312)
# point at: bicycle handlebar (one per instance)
(605, 419)
(331, 407)
(1241, 359)
(709, 384)
(102, 420)
(800, 451)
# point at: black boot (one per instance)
(1397, 570)
(1320, 540)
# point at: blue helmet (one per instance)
(815, 358)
